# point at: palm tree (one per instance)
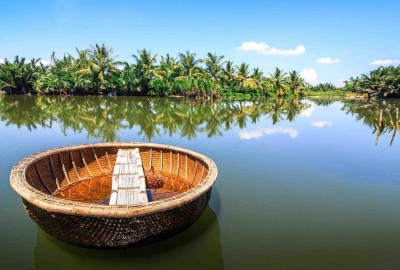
(295, 82)
(145, 70)
(169, 68)
(96, 64)
(278, 81)
(228, 74)
(244, 77)
(58, 77)
(381, 82)
(18, 77)
(257, 74)
(214, 64)
(147, 61)
(189, 64)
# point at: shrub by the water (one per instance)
(381, 82)
(324, 87)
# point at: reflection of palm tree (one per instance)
(293, 109)
(103, 117)
(191, 124)
(382, 116)
(325, 101)
(276, 113)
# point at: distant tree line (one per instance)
(96, 71)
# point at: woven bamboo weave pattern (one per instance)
(66, 191)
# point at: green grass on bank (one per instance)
(336, 93)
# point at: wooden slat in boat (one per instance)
(128, 181)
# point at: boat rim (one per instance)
(51, 203)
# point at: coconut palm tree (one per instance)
(278, 81)
(257, 74)
(228, 74)
(244, 77)
(145, 70)
(19, 77)
(295, 82)
(58, 77)
(213, 63)
(147, 61)
(189, 65)
(96, 64)
(381, 82)
(169, 68)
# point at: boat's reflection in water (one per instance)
(198, 247)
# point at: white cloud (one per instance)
(328, 60)
(384, 62)
(321, 124)
(255, 134)
(264, 48)
(309, 75)
(253, 46)
(2, 61)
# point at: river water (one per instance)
(303, 184)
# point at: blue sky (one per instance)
(352, 34)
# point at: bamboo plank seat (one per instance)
(96, 194)
(128, 181)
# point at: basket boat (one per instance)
(66, 192)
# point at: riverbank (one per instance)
(336, 94)
(236, 96)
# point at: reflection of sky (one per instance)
(267, 131)
(321, 124)
(345, 148)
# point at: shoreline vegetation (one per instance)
(96, 71)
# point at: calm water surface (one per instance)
(310, 184)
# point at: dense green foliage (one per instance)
(381, 82)
(324, 87)
(96, 71)
(18, 76)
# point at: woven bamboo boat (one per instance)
(66, 191)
